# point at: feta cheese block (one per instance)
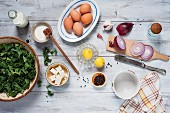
(53, 71)
(58, 69)
(52, 78)
(58, 80)
(61, 73)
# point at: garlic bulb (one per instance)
(107, 26)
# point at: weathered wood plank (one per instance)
(63, 102)
(70, 97)
(139, 33)
(116, 10)
(73, 84)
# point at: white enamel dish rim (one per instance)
(72, 37)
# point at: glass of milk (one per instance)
(18, 18)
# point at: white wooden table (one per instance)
(71, 98)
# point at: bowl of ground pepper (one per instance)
(98, 79)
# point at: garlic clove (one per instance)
(107, 25)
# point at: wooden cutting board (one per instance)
(129, 43)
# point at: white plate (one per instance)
(75, 5)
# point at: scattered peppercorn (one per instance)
(27, 41)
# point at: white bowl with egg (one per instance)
(37, 32)
(57, 74)
(71, 37)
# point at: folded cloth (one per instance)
(149, 99)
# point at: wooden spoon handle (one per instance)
(161, 56)
(75, 69)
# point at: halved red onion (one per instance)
(148, 53)
(119, 42)
(137, 49)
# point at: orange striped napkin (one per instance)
(149, 99)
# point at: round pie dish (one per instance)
(15, 40)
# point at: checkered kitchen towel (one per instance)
(149, 98)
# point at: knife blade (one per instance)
(126, 60)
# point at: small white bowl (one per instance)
(126, 84)
(96, 74)
(33, 31)
(54, 65)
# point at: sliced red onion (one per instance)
(137, 49)
(148, 53)
(119, 43)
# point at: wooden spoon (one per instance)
(48, 33)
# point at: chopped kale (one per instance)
(54, 52)
(17, 69)
(50, 93)
(39, 83)
(46, 52)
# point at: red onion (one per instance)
(147, 55)
(119, 42)
(124, 28)
(137, 49)
(99, 36)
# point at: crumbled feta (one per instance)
(52, 78)
(58, 69)
(62, 74)
(58, 80)
(53, 71)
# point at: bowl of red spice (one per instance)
(98, 79)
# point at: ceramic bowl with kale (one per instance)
(19, 68)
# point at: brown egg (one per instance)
(85, 8)
(156, 28)
(68, 24)
(78, 28)
(87, 18)
(75, 15)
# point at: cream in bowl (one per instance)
(98, 79)
(57, 74)
(37, 32)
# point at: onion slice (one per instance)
(148, 53)
(137, 49)
(119, 43)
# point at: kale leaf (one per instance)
(46, 52)
(17, 69)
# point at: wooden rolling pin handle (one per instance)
(64, 54)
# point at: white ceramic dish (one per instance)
(126, 84)
(75, 5)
